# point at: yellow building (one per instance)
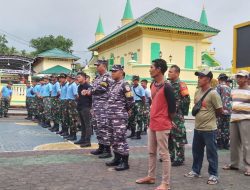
(157, 34)
(55, 61)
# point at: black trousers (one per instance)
(85, 118)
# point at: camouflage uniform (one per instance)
(136, 118)
(146, 110)
(40, 104)
(119, 103)
(99, 90)
(5, 100)
(64, 108)
(30, 99)
(55, 103)
(72, 107)
(223, 120)
(35, 91)
(47, 88)
(177, 137)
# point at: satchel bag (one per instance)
(197, 106)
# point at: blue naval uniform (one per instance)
(29, 92)
(55, 89)
(99, 91)
(119, 103)
(30, 98)
(6, 92)
(138, 91)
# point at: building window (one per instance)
(135, 57)
(155, 49)
(122, 61)
(111, 61)
(189, 57)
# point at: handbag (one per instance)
(197, 106)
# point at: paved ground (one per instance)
(77, 169)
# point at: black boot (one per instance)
(132, 134)
(80, 141)
(98, 151)
(85, 144)
(72, 136)
(123, 164)
(138, 136)
(116, 161)
(55, 127)
(106, 152)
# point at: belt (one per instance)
(138, 100)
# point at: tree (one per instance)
(4, 49)
(50, 42)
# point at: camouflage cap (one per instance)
(62, 75)
(223, 76)
(99, 62)
(71, 76)
(117, 68)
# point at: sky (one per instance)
(23, 20)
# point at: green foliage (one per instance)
(50, 42)
(6, 50)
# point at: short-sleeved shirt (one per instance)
(36, 89)
(55, 89)
(46, 90)
(71, 91)
(147, 95)
(63, 95)
(138, 92)
(29, 93)
(6, 92)
(205, 120)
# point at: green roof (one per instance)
(203, 18)
(128, 11)
(209, 60)
(57, 53)
(163, 19)
(56, 70)
(99, 29)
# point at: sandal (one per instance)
(229, 167)
(162, 188)
(247, 173)
(212, 180)
(146, 180)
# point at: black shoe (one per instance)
(123, 164)
(131, 135)
(98, 151)
(71, 138)
(65, 134)
(116, 161)
(59, 132)
(55, 129)
(138, 136)
(106, 152)
(86, 144)
(177, 163)
(6, 116)
(81, 141)
(28, 118)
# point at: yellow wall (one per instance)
(47, 63)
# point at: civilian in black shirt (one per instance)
(84, 103)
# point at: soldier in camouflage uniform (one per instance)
(55, 103)
(72, 107)
(99, 92)
(120, 103)
(146, 111)
(40, 105)
(30, 99)
(136, 118)
(64, 105)
(223, 120)
(177, 137)
(46, 96)
(5, 95)
(36, 88)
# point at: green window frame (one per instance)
(122, 61)
(135, 57)
(155, 50)
(111, 61)
(189, 57)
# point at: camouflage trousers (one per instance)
(4, 106)
(177, 141)
(146, 117)
(64, 114)
(36, 102)
(101, 128)
(55, 110)
(47, 108)
(30, 106)
(223, 134)
(73, 115)
(40, 109)
(136, 118)
(118, 132)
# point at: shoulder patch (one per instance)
(127, 88)
(184, 89)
